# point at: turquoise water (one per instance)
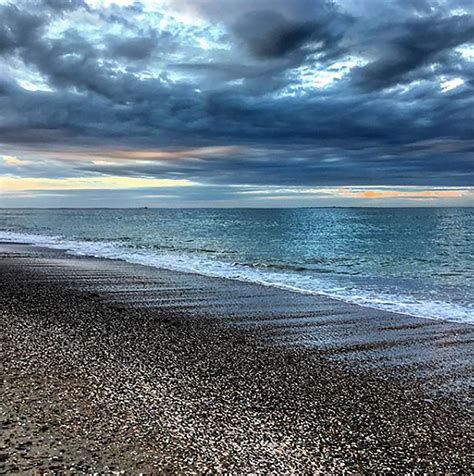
(417, 261)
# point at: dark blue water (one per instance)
(417, 261)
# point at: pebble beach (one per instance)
(98, 381)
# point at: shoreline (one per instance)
(154, 371)
(114, 252)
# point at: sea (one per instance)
(417, 261)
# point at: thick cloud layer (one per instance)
(308, 92)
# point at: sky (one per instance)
(236, 103)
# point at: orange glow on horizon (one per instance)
(409, 194)
(12, 184)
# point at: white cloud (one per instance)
(449, 84)
(14, 161)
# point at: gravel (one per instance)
(90, 386)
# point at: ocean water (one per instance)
(415, 261)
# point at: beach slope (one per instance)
(108, 366)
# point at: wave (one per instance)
(255, 273)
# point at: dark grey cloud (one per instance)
(404, 47)
(136, 48)
(315, 167)
(143, 46)
(63, 5)
(18, 28)
(268, 34)
(115, 78)
(270, 39)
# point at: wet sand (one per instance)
(109, 366)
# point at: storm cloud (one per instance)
(295, 93)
